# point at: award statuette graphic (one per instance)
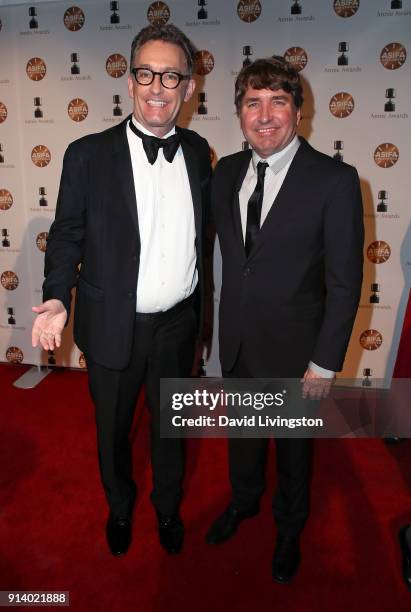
(42, 194)
(77, 109)
(33, 23)
(393, 56)
(346, 8)
(367, 373)
(158, 13)
(40, 156)
(38, 113)
(202, 99)
(75, 68)
(296, 8)
(379, 252)
(6, 199)
(382, 204)
(3, 112)
(389, 106)
(396, 4)
(1, 154)
(341, 105)
(374, 297)
(74, 18)
(247, 51)
(386, 155)
(249, 10)
(9, 280)
(204, 62)
(114, 17)
(116, 65)
(338, 147)
(5, 242)
(202, 11)
(297, 57)
(117, 110)
(371, 340)
(10, 316)
(36, 69)
(342, 58)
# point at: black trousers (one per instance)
(163, 347)
(247, 465)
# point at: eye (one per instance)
(170, 77)
(144, 74)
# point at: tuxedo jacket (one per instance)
(94, 242)
(295, 297)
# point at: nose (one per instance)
(265, 114)
(156, 86)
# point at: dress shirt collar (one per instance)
(146, 131)
(278, 160)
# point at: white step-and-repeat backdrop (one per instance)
(63, 74)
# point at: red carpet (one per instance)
(53, 513)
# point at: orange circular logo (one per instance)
(249, 10)
(77, 109)
(74, 18)
(204, 62)
(14, 354)
(40, 156)
(158, 13)
(3, 112)
(41, 241)
(371, 340)
(386, 155)
(378, 252)
(297, 57)
(9, 280)
(36, 69)
(341, 105)
(346, 8)
(82, 361)
(393, 56)
(116, 65)
(6, 199)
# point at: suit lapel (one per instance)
(193, 172)
(123, 169)
(290, 195)
(235, 200)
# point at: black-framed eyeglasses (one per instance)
(169, 79)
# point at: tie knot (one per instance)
(261, 168)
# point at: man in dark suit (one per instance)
(130, 213)
(290, 226)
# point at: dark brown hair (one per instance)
(167, 33)
(271, 73)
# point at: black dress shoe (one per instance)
(286, 558)
(118, 533)
(171, 532)
(227, 523)
(405, 544)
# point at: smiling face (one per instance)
(154, 106)
(269, 119)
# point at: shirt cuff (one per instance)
(321, 371)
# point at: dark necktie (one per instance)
(152, 144)
(254, 209)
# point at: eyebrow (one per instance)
(256, 99)
(166, 69)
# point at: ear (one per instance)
(190, 90)
(298, 116)
(130, 85)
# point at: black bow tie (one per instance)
(152, 144)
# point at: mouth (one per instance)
(156, 103)
(266, 131)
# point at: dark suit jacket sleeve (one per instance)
(343, 256)
(66, 235)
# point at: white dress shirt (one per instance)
(167, 272)
(278, 166)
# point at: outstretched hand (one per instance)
(49, 324)
(315, 387)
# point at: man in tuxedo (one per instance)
(290, 226)
(128, 234)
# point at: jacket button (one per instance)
(246, 272)
(130, 294)
(134, 257)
